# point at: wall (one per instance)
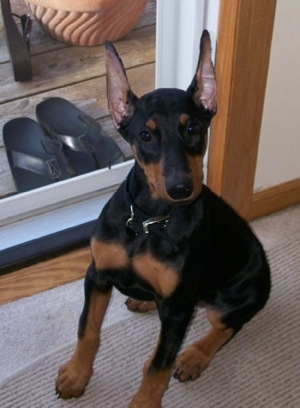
(279, 148)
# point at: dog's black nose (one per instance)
(180, 191)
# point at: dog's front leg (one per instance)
(158, 369)
(74, 376)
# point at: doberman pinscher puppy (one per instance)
(165, 240)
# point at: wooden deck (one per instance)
(74, 73)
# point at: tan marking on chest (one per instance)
(162, 278)
(108, 255)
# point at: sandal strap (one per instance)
(50, 167)
(79, 143)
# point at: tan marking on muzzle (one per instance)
(196, 171)
(155, 178)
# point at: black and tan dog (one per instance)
(165, 240)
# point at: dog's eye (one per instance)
(192, 129)
(145, 136)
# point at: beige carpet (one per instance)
(260, 368)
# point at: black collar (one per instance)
(139, 223)
(142, 223)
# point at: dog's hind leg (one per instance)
(196, 357)
(74, 376)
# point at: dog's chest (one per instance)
(133, 249)
(162, 277)
(137, 258)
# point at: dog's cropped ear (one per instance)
(203, 87)
(121, 99)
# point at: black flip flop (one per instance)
(86, 144)
(35, 159)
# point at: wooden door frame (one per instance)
(242, 62)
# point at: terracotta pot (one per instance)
(87, 22)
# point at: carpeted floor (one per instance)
(258, 368)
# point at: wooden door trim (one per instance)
(275, 198)
(242, 62)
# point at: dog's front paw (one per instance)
(190, 364)
(138, 401)
(139, 306)
(72, 379)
